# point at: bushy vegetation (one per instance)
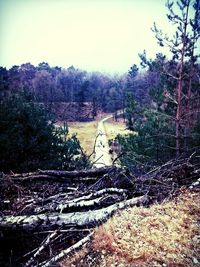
(150, 144)
(29, 140)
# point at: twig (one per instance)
(62, 231)
(119, 156)
(97, 159)
(65, 252)
(41, 248)
(95, 141)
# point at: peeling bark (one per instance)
(102, 198)
(80, 219)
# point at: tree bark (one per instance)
(180, 82)
(80, 219)
(60, 176)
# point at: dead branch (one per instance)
(41, 248)
(67, 251)
(94, 146)
(60, 176)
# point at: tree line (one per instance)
(161, 102)
(55, 84)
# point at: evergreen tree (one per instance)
(29, 140)
(131, 111)
(151, 143)
(182, 47)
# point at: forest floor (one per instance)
(166, 234)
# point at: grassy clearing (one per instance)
(113, 128)
(165, 234)
(86, 133)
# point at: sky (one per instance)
(94, 35)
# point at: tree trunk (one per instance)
(180, 83)
(178, 115)
(78, 219)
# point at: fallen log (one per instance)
(99, 202)
(81, 173)
(68, 205)
(60, 176)
(80, 219)
(93, 200)
(50, 178)
(67, 174)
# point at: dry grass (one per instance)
(113, 128)
(165, 234)
(78, 258)
(86, 133)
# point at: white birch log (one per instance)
(52, 220)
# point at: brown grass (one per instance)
(113, 128)
(86, 133)
(78, 258)
(165, 234)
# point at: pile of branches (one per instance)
(164, 181)
(48, 214)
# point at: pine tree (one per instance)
(29, 140)
(182, 47)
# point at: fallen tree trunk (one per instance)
(80, 219)
(67, 174)
(49, 178)
(101, 198)
(82, 173)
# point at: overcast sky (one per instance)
(95, 35)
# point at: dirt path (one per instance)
(102, 157)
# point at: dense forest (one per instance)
(50, 85)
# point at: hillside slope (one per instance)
(165, 234)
